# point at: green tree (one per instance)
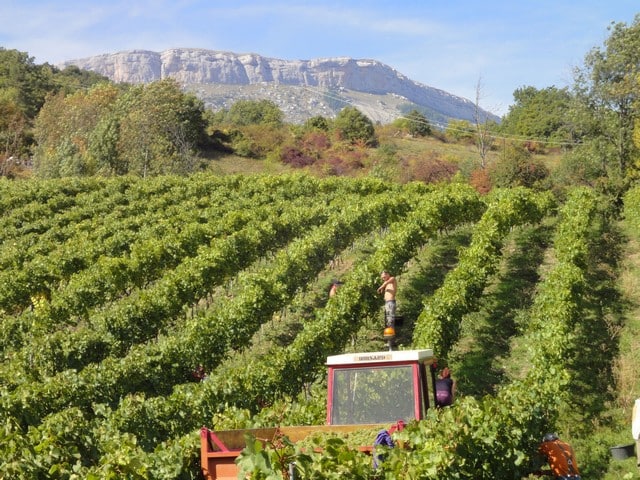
(13, 125)
(607, 89)
(582, 166)
(352, 125)
(147, 130)
(103, 146)
(540, 115)
(24, 88)
(418, 124)
(160, 129)
(517, 167)
(317, 123)
(255, 112)
(72, 79)
(459, 130)
(63, 129)
(258, 141)
(30, 82)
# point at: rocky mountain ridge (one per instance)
(302, 88)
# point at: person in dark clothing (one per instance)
(445, 388)
(199, 374)
(384, 439)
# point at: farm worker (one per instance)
(635, 428)
(200, 374)
(384, 439)
(445, 388)
(560, 457)
(389, 287)
(334, 288)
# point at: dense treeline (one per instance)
(70, 123)
(145, 130)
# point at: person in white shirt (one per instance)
(635, 428)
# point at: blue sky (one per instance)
(451, 45)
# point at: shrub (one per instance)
(315, 143)
(431, 170)
(296, 158)
(517, 167)
(480, 180)
(355, 127)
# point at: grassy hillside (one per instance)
(398, 157)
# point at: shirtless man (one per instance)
(334, 288)
(389, 287)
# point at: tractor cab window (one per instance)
(373, 395)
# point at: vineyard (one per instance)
(115, 291)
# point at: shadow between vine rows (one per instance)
(425, 274)
(477, 360)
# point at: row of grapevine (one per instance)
(207, 197)
(40, 263)
(62, 252)
(398, 246)
(438, 325)
(284, 371)
(496, 436)
(112, 276)
(139, 315)
(135, 416)
(493, 438)
(33, 233)
(154, 367)
(21, 203)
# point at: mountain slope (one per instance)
(302, 88)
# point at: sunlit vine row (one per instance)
(60, 253)
(494, 437)
(282, 372)
(153, 437)
(114, 275)
(136, 317)
(155, 367)
(365, 215)
(267, 228)
(24, 202)
(491, 438)
(438, 325)
(119, 198)
(39, 264)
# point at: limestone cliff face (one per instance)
(191, 67)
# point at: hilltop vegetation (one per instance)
(72, 123)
